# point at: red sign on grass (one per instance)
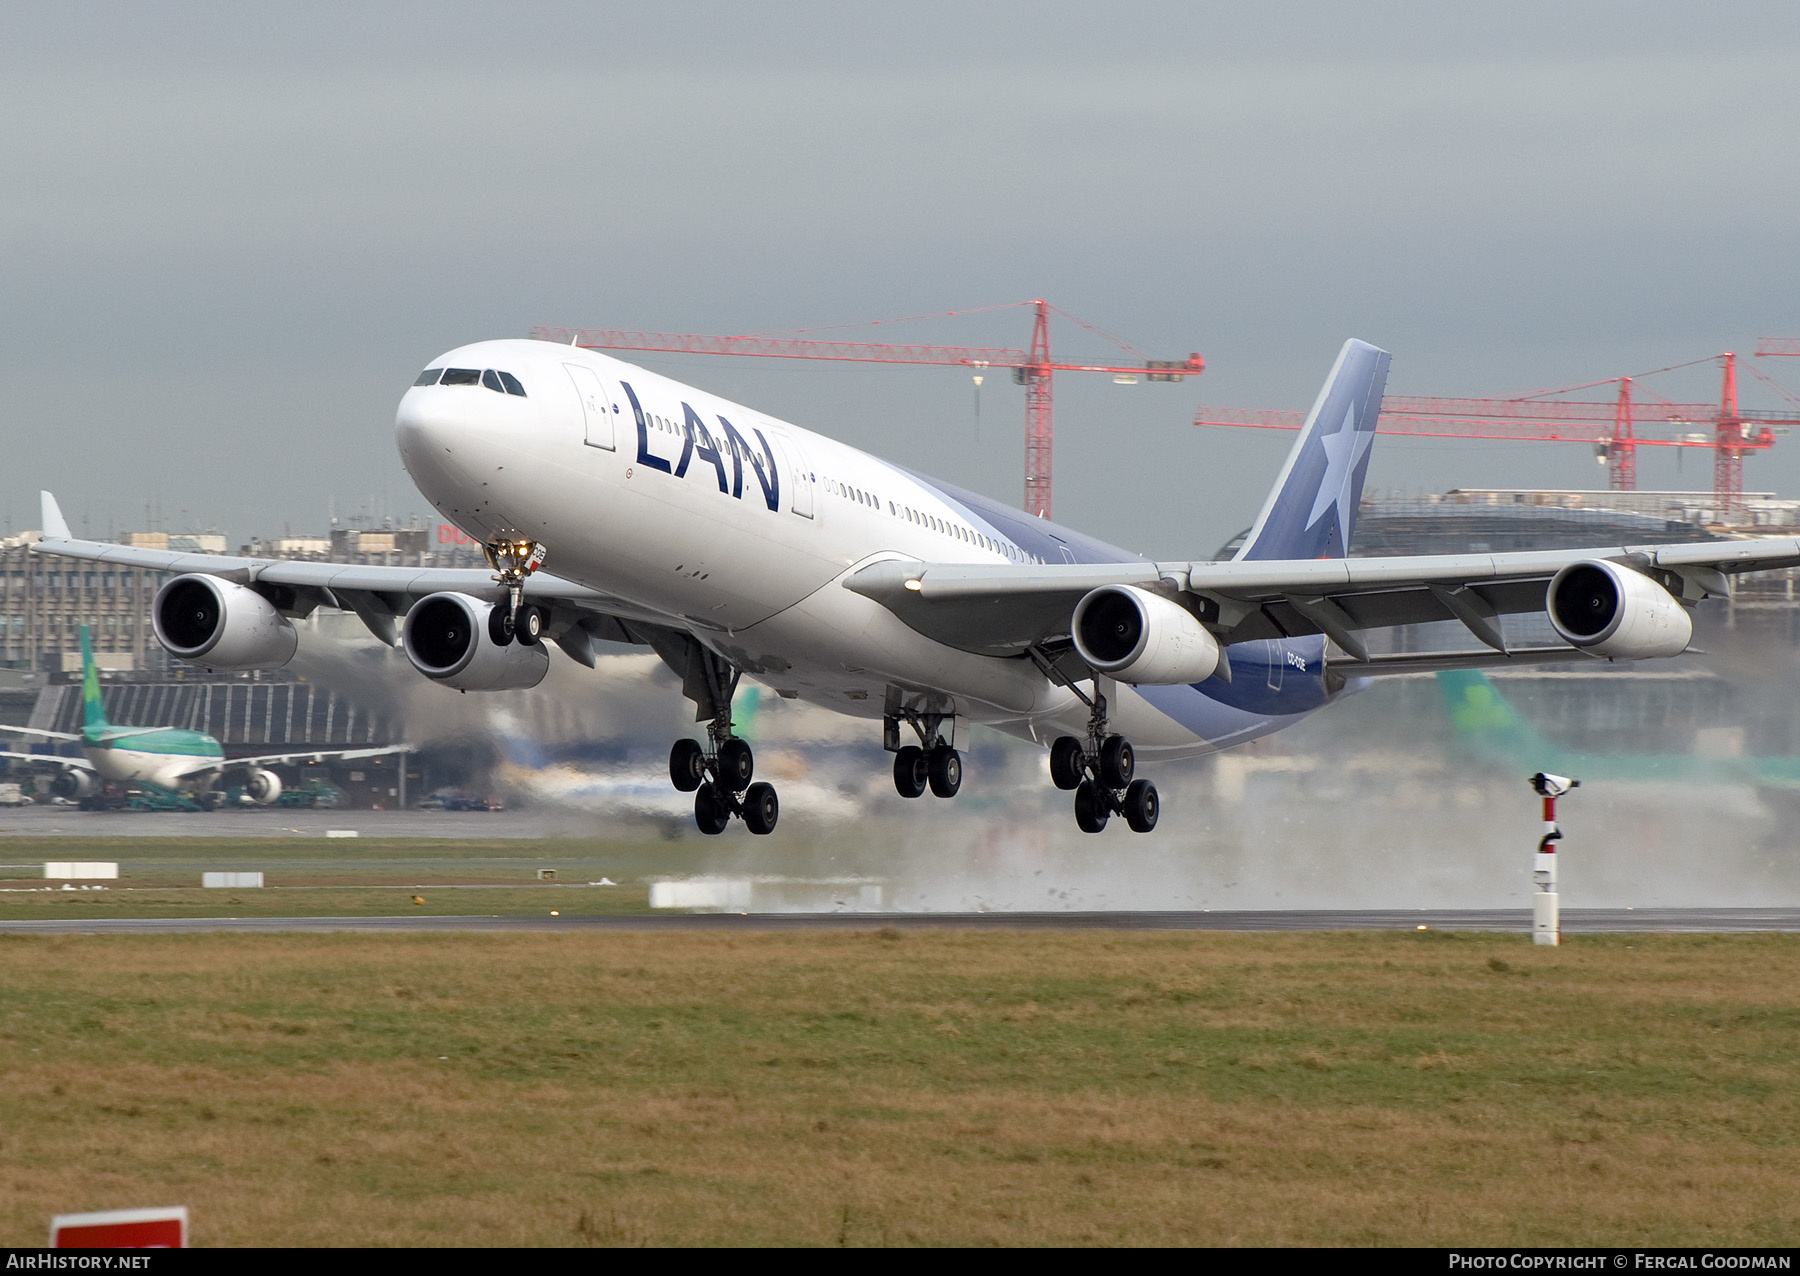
(121, 1229)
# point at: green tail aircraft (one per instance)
(1488, 725)
(169, 758)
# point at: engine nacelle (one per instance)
(263, 787)
(76, 786)
(1615, 612)
(1141, 637)
(208, 621)
(447, 638)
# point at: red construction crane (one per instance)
(1032, 369)
(1610, 427)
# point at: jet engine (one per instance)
(1612, 611)
(1141, 637)
(76, 786)
(208, 621)
(263, 787)
(448, 639)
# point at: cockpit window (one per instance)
(429, 376)
(512, 384)
(491, 380)
(461, 376)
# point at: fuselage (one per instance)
(740, 528)
(164, 757)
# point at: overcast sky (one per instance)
(231, 235)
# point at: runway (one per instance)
(1574, 922)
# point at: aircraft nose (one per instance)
(430, 431)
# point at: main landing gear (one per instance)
(932, 764)
(719, 774)
(1100, 771)
(512, 562)
(720, 783)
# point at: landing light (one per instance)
(914, 584)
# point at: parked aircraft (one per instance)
(170, 758)
(1489, 725)
(734, 544)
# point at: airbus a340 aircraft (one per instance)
(734, 544)
(170, 758)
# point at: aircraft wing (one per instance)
(42, 735)
(1003, 609)
(297, 758)
(54, 759)
(378, 595)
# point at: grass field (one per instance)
(925, 1087)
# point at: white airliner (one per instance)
(734, 544)
(169, 758)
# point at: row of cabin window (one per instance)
(498, 382)
(935, 524)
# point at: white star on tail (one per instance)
(1344, 450)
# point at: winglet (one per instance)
(56, 527)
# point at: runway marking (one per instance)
(1575, 921)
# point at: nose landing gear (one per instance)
(512, 562)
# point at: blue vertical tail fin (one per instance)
(1312, 509)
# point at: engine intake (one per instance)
(263, 787)
(447, 638)
(208, 621)
(1615, 612)
(1141, 637)
(74, 785)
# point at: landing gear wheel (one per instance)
(1065, 762)
(945, 771)
(1117, 762)
(1141, 806)
(500, 626)
(761, 809)
(528, 624)
(687, 765)
(711, 814)
(1091, 807)
(912, 772)
(736, 764)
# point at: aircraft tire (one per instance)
(736, 764)
(1066, 762)
(761, 809)
(1091, 811)
(946, 771)
(1117, 762)
(528, 624)
(912, 771)
(1141, 806)
(711, 815)
(687, 765)
(500, 626)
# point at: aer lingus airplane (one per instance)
(735, 544)
(1488, 724)
(169, 758)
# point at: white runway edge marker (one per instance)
(231, 881)
(341, 833)
(77, 870)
